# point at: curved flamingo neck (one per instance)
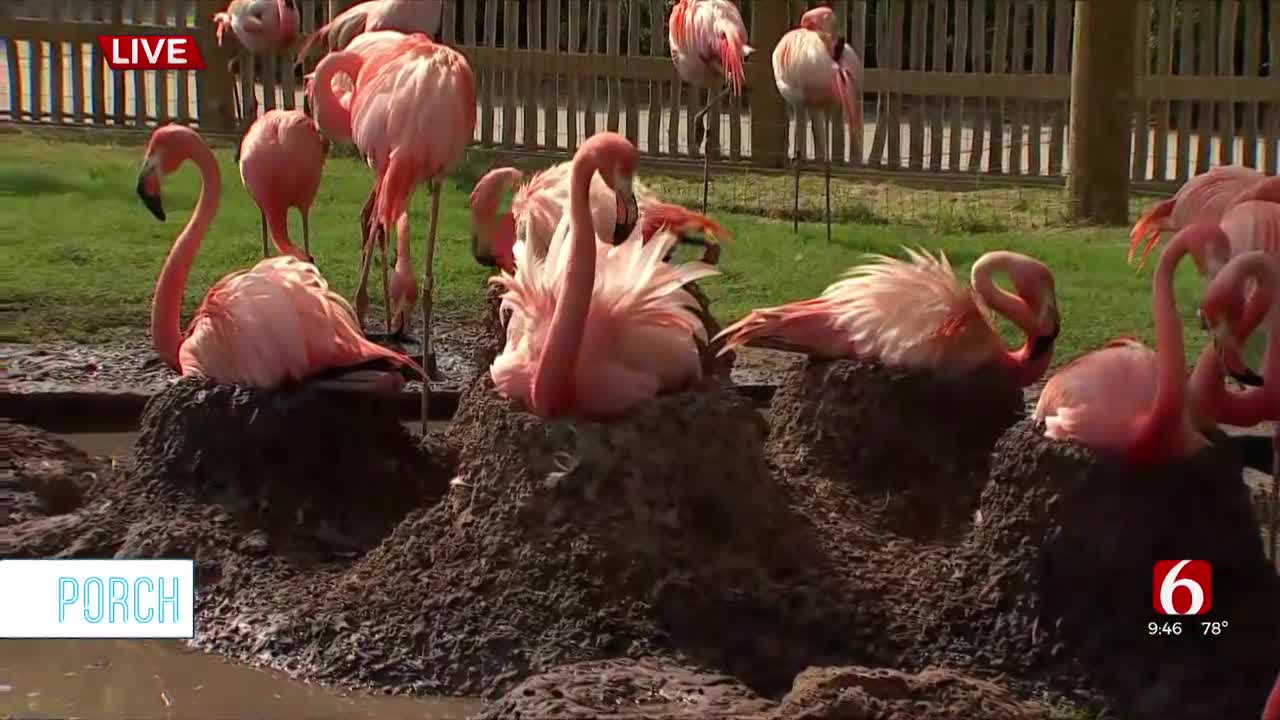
(1256, 404)
(1158, 427)
(166, 309)
(1024, 362)
(552, 390)
(332, 117)
(404, 263)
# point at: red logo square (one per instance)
(1182, 587)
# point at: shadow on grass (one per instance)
(17, 182)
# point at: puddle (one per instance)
(161, 679)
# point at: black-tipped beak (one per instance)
(152, 201)
(487, 260)
(627, 218)
(1044, 343)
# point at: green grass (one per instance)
(79, 254)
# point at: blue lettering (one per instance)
(65, 584)
(137, 600)
(119, 594)
(171, 600)
(89, 616)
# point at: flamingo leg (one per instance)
(795, 208)
(428, 277)
(700, 123)
(826, 154)
(362, 288)
(306, 231)
(265, 251)
(386, 288)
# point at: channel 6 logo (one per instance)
(1182, 587)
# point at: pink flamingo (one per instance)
(1125, 398)
(708, 46)
(273, 323)
(262, 27)
(916, 313)
(281, 162)
(596, 329)
(539, 204)
(1203, 198)
(366, 16)
(412, 114)
(1272, 709)
(815, 68)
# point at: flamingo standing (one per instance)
(366, 16)
(1125, 398)
(815, 68)
(412, 114)
(273, 323)
(1203, 198)
(262, 27)
(916, 313)
(405, 288)
(539, 204)
(281, 162)
(596, 329)
(708, 46)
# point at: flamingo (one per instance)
(1203, 198)
(539, 204)
(596, 329)
(262, 27)
(343, 86)
(281, 162)
(815, 68)
(1272, 709)
(915, 313)
(708, 46)
(412, 114)
(1125, 398)
(262, 327)
(367, 16)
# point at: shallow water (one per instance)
(164, 679)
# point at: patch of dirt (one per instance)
(615, 689)
(913, 443)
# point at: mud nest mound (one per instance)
(1072, 539)
(660, 533)
(911, 444)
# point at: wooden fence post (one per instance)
(1101, 126)
(214, 100)
(768, 112)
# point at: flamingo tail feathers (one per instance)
(1149, 225)
(806, 324)
(683, 222)
(852, 107)
(732, 53)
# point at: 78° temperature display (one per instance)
(1215, 627)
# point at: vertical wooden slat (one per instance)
(139, 76)
(630, 95)
(613, 28)
(117, 76)
(919, 35)
(1227, 67)
(1017, 66)
(491, 76)
(55, 66)
(1208, 66)
(449, 33)
(895, 35)
(183, 76)
(978, 31)
(512, 75)
(552, 82)
(656, 48)
(14, 63)
(1164, 66)
(959, 52)
(592, 46)
(248, 89)
(858, 39)
(836, 115)
(999, 64)
(937, 105)
(1253, 33)
(875, 157)
(1273, 111)
(97, 74)
(35, 79)
(78, 13)
(1063, 20)
(269, 65)
(1039, 57)
(1186, 66)
(1140, 155)
(533, 79)
(160, 78)
(469, 15)
(575, 81)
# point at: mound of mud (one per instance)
(574, 541)
(843, 693)
(1073, 539)
(616, 689)
(910, 443)
(313, 470)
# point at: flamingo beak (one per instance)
(1229, 358)
(149, 191)
(628, 214)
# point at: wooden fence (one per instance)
(951, 86)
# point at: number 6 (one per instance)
(1172, 582)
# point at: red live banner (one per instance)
(151, 52)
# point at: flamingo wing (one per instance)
(1096, 399)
